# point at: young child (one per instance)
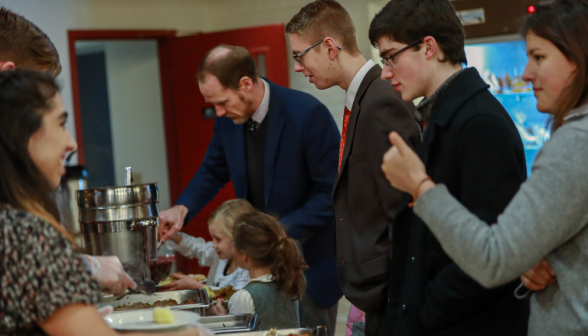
(217, 254)
(276, 266)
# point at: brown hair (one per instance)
(26, 45)
(261, 238)
(564, 23)
(407, 21)
(225, 215)
(25, 96)
(323, 18)
(227, 67)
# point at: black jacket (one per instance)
(473, 147)
(364, 202)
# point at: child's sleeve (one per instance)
(242, 278)
(194, 248)
(241, 303)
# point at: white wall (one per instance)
(136, 114)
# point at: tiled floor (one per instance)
(342, 314)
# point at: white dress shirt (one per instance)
(192, 247)
(263, 108)
(356, 82)
(242, 302)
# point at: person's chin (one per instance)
(239, 121)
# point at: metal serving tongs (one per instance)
(146, 287)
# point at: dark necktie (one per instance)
(251, 124)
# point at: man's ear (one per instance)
(331, 46)
(245, 84)
(432, 48)
(8, 65)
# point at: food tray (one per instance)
(318, 331)
(198, 295)
(229, 323)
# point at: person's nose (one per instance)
(528, 75)
(298, 67)
(220, 111)
(387, 73)
(71, 143)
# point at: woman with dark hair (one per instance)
(46, 289)
(276, 267)
(548, 217)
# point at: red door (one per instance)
(191, 131)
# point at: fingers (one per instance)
(547, 267)
(531, 285)
(127, 281)
(399, 143)
(173, 229)
(105, 310)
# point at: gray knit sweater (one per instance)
(548, 217)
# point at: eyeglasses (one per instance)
(298, 57)
(389, 61)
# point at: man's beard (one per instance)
(248, 111)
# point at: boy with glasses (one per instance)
(322, 37)
(473, 147)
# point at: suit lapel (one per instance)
(276, 119)
(365, 83)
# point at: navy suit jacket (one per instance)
(301, 160)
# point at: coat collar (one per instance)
(371, 75)
(455, 94)
(276, 119)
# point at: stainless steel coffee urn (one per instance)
(122, 221)
(75, 179)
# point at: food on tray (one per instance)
(160, 303)
(163, 315)
(225, 292)
(272, 332)
(170, 279)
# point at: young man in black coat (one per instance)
(472, 146)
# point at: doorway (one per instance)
(158, 121)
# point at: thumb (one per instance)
(179, 275)
(399, 143)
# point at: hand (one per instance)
(218, 308)
(402, 166)
(171, 221)
(104, 311)
(539, 277)
(176, 238)
(183, 282)
(109, 272)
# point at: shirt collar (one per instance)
(263, 278)
(579, 111)
(356, 82)
(263, 108)
(425, 107)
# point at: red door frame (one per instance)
(163, 38)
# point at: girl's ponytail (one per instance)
(287, 268)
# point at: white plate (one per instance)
(143, 320)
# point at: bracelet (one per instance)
(415, 195)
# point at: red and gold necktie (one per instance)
(343, 135)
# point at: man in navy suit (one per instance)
(280, 148)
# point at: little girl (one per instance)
(217, 254)
(276, 268)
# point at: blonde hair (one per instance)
(225, 215)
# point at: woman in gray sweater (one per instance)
(548, 217)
